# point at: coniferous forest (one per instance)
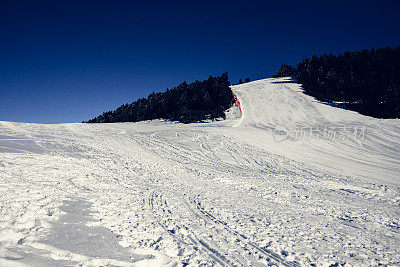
(185, 103)
(367, 81)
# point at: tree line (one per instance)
(247, 80)
(367, 81)
(185, 103)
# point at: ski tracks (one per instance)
(199, 231)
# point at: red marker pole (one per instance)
(237, 103)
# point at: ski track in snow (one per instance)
(226, 193)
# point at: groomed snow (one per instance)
(291, 182)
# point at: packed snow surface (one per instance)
(290, 182)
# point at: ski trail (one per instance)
(204, 194)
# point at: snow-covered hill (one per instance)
(316, 133)
(293, 181)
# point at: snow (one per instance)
(250, 190)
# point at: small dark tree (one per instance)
(247, 80)
(240, 81)
(285, 71)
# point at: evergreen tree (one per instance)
(367, 81)
(185, 103)
(285, 71)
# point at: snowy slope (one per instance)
(256, 189)
(276, 104)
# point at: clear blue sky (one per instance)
(68, 61)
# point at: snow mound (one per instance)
(281, 101)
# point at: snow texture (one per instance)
(290, 182)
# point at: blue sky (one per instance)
(68, 61)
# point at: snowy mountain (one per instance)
(290, 182)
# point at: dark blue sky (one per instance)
(68, 61)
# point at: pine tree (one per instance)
(185, 103)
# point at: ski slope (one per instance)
(253, 190)
(280, 103)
